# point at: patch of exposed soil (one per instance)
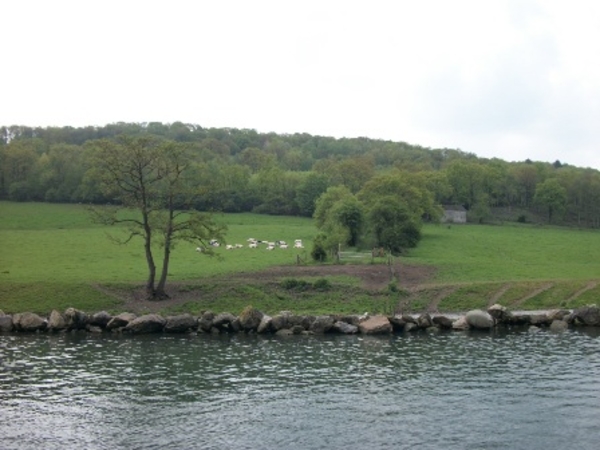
(372, 277)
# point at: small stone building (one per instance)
(454, 214)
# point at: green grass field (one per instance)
(52, 257)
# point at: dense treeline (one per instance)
(243, 170)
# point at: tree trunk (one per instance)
(162, 282)
(150, 290)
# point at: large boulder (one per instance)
(558, 326)
(149, 323)
(29, 322)
(587, 315)
(424, 321)
(322, 324)
(282, 321)
(398, 323)
(120, 321)
(540, 320)
(499, 313)
(6, 323)
(558, 314)
(205, 321)
(352, 319)
(182, 323)
(225, 322)
(479, 319)
(376, 325)
(460, 324)
(100, 319)
(76, 319)
(56, 321)
(250, 319)
(344, 327)
(443, 322)
(265, 325)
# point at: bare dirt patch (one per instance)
(372, 277)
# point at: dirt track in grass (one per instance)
(372, 277)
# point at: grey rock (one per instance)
(205, 322)
(344, 327)
(540, 320)
(120, 321)
(76, 319)
(442, 322)
(250, 319)
(558, 314)
(56, 321)
(460, 324)
(558, 326)
(149, 323)
(587, 315)
(100, 319)
(29, 322)
(182, 323)
(6, 323)
(479, 319)
(281, 321)
(398, 323)
(424, 321)
(322, 324)
(224, 321)
(410, 326)
(265, 325)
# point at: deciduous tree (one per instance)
(150, 178)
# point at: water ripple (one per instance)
(457, 390)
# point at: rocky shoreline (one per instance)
(252, 320)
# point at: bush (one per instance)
(294, 284)
(322, 284)
(318, 252)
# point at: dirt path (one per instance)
(432, 308)
(520, 301)
(499, 294)
(590, 285)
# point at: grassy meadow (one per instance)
(53, 257)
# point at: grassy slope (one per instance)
(53, 257)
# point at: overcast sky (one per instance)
(507, 79)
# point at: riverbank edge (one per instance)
(252, 321)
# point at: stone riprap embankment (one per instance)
(286, 323)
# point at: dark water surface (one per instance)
(454, 391)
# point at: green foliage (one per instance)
(295, 284)
(309, 190)
(242, 170)
(392, 224)
(551, 195)
(322, 284)
(319, 249)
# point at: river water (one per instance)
(499, 390)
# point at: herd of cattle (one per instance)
(255, 243)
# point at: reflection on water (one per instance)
(457, 390)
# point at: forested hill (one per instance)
(243, 170)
